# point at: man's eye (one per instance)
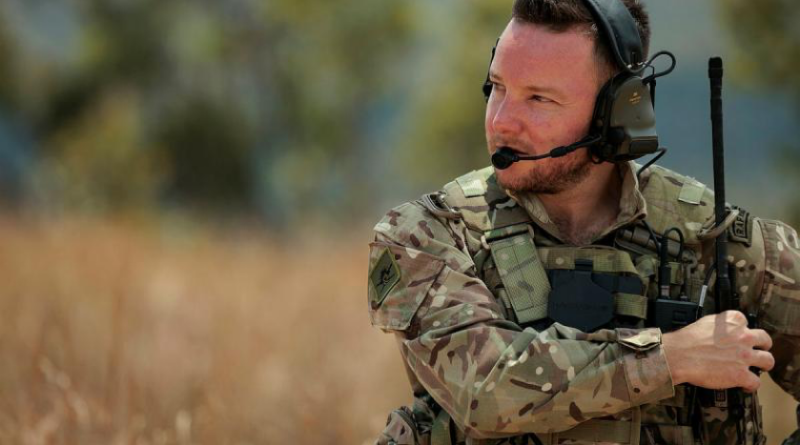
(537, 98)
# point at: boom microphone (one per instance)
(505, 156)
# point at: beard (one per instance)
(548, 176)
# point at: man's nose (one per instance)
(506, 119)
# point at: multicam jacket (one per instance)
(497, 380)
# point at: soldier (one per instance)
(523, 298)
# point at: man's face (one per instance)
(545, 85)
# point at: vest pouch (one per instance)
(594, 287)
(520, 270)
(671, 315)
(578, 302)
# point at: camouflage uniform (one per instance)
(490, 379)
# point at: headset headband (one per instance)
(614, 19)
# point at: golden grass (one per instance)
(122, 333)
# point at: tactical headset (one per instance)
(623, 125)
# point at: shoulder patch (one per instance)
(741, 231)
(383, 277)
(675, 200)
(472, 185)
(691, 191)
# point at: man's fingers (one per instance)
(763, 360)
(735, 317)
(761, 340)
(751, 383)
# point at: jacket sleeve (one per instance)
(779, 301)
(494, 378)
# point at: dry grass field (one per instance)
(127, 333)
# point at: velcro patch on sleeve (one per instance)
(400, 279)
(472, 185)
(383, 277)
(691, 192)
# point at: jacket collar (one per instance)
(632, 206)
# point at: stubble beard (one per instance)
(549, 176)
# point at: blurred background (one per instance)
(176, 177)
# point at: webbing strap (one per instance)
(606, 260)
(647, 266)
(440, 432)
(630, 305)
(594, 431)
(603, 431)
(675, 434)
(521, 272)
(675, 273)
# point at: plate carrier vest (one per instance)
(538, 281)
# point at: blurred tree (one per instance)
(189, 147)
(100, 164)
(208, 148)
(219, 99)
(768, 53)
(445, 124)
(8, 185)
(286, 108)
(336, 69)
(6, 64)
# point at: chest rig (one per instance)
(538, 281)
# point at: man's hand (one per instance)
(717, 351)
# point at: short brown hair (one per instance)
(562, 15)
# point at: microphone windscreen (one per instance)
(503, 158)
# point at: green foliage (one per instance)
(445, 125)
(6, 65)
(194, 134)
(280, 108)
(99, 162)
(197, 103)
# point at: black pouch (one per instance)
(577, 301)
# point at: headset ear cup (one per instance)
(633, 116)
(600, 118)
(624, 119)
(615, 136)
(601, 108)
